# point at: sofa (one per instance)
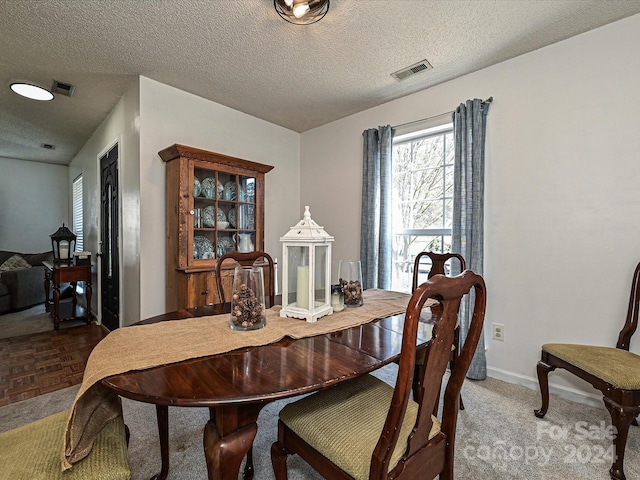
(21, 279)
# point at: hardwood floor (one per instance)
(31, 365)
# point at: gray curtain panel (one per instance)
(375, 223)
(469, 131)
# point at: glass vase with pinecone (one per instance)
(247, 302)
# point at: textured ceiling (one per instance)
(241, 54)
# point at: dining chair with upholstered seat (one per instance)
(367, 429)
(34, 452)
(613, 371)
(248, 259)
(439, 264)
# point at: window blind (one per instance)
(77, 213)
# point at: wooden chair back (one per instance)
(631, 324)
(248, 259)
(424, 456)
(438, 261)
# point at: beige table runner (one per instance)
(146, 346)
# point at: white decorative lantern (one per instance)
(306, 273)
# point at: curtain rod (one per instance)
(488, 100)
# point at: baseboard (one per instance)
(105, 329)
(562, 391)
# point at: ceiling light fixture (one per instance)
(302, 12)
(31, 91)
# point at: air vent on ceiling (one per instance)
(63, 88)
(411, 70)
(47, 146)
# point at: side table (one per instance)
(57, 274)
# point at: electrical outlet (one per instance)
(498, 332)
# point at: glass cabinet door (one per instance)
(224, 214)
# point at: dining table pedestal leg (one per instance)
(228, 439)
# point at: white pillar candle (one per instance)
(302, 293)
(64, 251)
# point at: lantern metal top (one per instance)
(307, 231)
(63, 233)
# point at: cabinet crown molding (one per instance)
(177, 151)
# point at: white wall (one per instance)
(562, 190)
(168, 116)
(150, 117)
(120, 126)
(34, 202)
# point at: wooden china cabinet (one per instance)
(214, 205)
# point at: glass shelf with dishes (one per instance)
(204, 194)
(224, 213)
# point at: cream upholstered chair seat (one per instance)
(34, 452)
(615, 366)
(344, 423)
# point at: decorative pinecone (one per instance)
(352, 292)
(247, 309)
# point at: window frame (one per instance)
(443, 128)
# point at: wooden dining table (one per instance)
(236, 385)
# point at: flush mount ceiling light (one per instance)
(302, 12)
(31, 91)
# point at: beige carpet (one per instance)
(29, 321)
(498, 436)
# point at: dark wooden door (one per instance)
(109, 238)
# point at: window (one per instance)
(422, 198)
(77, 213)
